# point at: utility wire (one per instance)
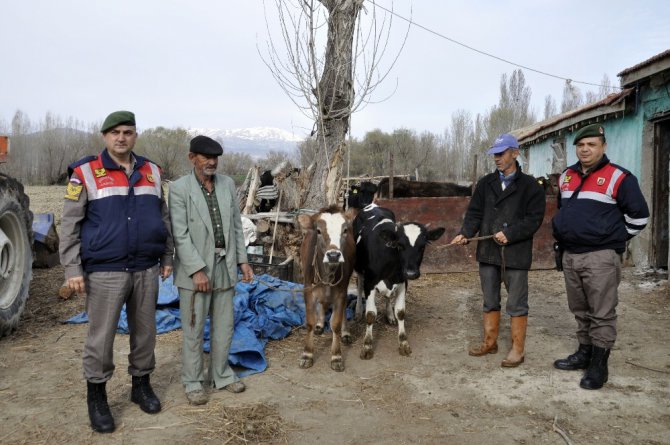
(411, 22)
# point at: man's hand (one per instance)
(166, 271)
(247, 272)
(77, 285)
(459, 239)
(201, 282)
(500, 238)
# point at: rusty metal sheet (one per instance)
(448, 213)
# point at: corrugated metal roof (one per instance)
(524, 135)
(649, 61)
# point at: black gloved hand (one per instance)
(558, 255)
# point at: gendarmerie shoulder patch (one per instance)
(74, 188)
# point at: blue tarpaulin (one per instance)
(261, 313)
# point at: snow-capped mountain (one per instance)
(257, 141)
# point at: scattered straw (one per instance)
(254, 423)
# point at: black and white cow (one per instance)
(388, 254)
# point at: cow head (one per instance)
(334, 238)
(361, 195)
(410, 240)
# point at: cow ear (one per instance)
(434, 234)
(305, 221)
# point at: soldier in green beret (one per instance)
(115, 241)
(600, 208)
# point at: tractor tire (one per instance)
(16, 257)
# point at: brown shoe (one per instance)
(489, 345)
(516, 354)
(235, 387)
(197, 397)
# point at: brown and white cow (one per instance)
(327, 258)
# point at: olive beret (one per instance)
(206, 146)
(117, 118)
(593, 130)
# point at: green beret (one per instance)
(117, 118)
(206, 146)
(593, 130)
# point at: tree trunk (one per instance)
(335, 97)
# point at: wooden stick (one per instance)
(647, 368)
(563, 434)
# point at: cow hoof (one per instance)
(337, 365)
(347, 339)
(367, 354)
(318, 330)
(306, 362)
(392, 321)
(404, 349)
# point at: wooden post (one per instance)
(253, 188)
(274, 232)
(391, 175)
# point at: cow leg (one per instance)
(307, 357)
(390, 308)
(370, 317)
(359, 297)
(347, 339)
(336, 322)
(320, 317)
(403, 344)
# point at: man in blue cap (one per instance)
(601, 207)
(507, 205)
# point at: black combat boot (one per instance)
(578, 360)
(98, 409)
(596, 376)
(144, 395)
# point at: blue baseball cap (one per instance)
(502, 143)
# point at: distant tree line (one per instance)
(42, 150)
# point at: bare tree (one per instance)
(323, 80)
(168, 147)
(549, 107)
(572, 97)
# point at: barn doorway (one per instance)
(660, 204)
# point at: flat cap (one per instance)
(593, 130)
(117, 118)
(206, 146)
(502, 143)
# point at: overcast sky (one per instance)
(195, 63)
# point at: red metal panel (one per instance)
(4, 148)
(448, 213)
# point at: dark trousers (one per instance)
(517, 289)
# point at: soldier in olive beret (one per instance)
(601, 207)
(115, 241)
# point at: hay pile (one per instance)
(245, 424)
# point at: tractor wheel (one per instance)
(16, 258)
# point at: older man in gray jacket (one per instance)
(209, 247)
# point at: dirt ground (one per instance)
(438, 395)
